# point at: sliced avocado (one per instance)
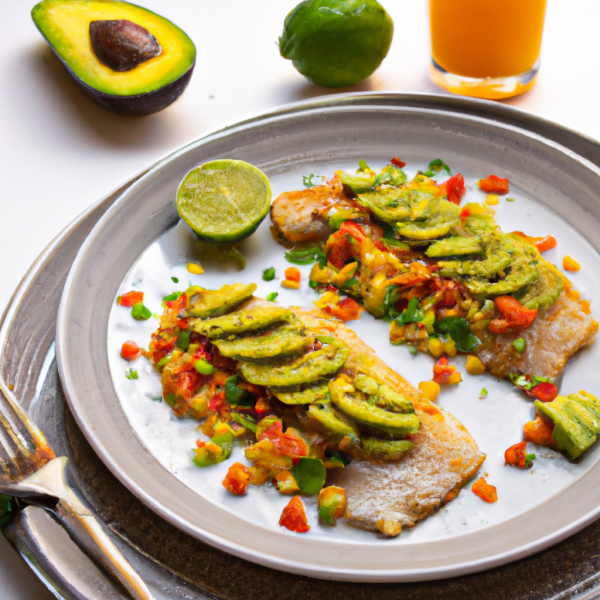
(524, 270)
(304, 369)
(370, 448)
(125, 57)
(330, 422)
(307, 395)
(382, 395)
(275, 345)
(241, 321)
(387, 204)
(205, 304)
(498, 255)
(544, 292)
(344, 397)
(442, 218)
(576, 421)
(455, 246)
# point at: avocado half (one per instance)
(146, 81)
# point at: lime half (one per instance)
(224, 200)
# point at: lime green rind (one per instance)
(62, 49)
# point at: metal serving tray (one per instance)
(174, 564)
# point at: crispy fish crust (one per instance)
(387, 496)
(550, 341)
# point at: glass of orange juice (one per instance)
(486, 48)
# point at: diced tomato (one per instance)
(397, 162)
(162, 344)
(354, 230)
(539, 431)
(516, 317)
(237, 479)
(218, 402)
(288, 443)
(545, 243)
(130, 350)
(442, 371)
(293, 516)
(263, 407)
(131, 298)
(516, 454)
(484, 490)
(465, 213)
(347, 310)
(493, 185)
(293, 274)
(544, 392)
(339, 251)
(455, 188)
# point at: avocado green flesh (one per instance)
(331, 423)
(387, 204)
(455, 246)
(373, 449)
(498, 255)
(368, 414)
(305, 369)
(544, 292)
(274, 345)
(315, 393)
(443, 217)
(241, 322)
(65, 26)
(383, 396)
(576, 421)
(205, 304)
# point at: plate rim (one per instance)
(242, 551)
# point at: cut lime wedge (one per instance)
(224, 200)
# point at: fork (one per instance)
(30, 469)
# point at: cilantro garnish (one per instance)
(460, 332)
(174, 280)
(435, 166)
(510, 199)
(269, 274)
(140, 313)
(523, 382)
(308, 182)
(131, 374)
(411, 314)
(246, 420)
(306, 256)
(519, 345)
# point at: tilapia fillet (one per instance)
(387, 496)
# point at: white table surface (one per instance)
(60, 152)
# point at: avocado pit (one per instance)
(122, 45)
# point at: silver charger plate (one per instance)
(322, 132)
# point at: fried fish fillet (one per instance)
(550, 341)
(386, 496)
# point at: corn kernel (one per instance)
(450, 348)
(570, 265)
(435, 347)
(492, 199)
(456, 377)
(430, 389)
(474, 366)
(194, 269)
(292, 285)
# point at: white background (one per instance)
(60, 152)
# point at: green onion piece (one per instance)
(171, 297)
(305, 256)
(435, 166)
(236, 395)
(247, 421)
(529, 458)
(412, 350)
(203, 367)
(519, 345)
(272, 296)
(362, 165)
(510, 199)
(163, 361)
(174, 280)
(183, 340)
(131, 374)
(313, 284)
(118, 300)
(140, 313)
(269, 274)
(310, 475)
(484, 392)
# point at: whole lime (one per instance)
(336, 42)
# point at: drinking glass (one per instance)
(486, 48)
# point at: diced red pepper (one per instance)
(288, 443)
(516, 454)
(455, 188)
(218, 402)
(397, 162)
(354, 230)
(465, 213)
(539, 431)
(131, 298)
(339, 251)
(516, 317)
(237, 479)
(545, 243)
(130, 350)
(293, 516)
(442, 371)
(544, 392)
(347, 310)
(484, 490)
(493, 185)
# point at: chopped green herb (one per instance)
(519, 345)
(155, 398)
(412, 350)
(131, 374)
(412, 313)
(391, 297)
(236, 395)
(313, 284)
(310, 475)
(246, 420)
(327, 509)
(392, 176)
(171, 297)
(163, 361)
(174, 280)
(435, 166)
(529, 458)
(272, 296)
(170, 399)
(305, 256)
(269, 274)
(183, 340)
(510, 199)
(204, 367)
(118, 300)
(460, 332)
(348, 284)
(308, 182)
(522, 381)
(483, 392)
(140, 313)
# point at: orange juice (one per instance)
(482, 39)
